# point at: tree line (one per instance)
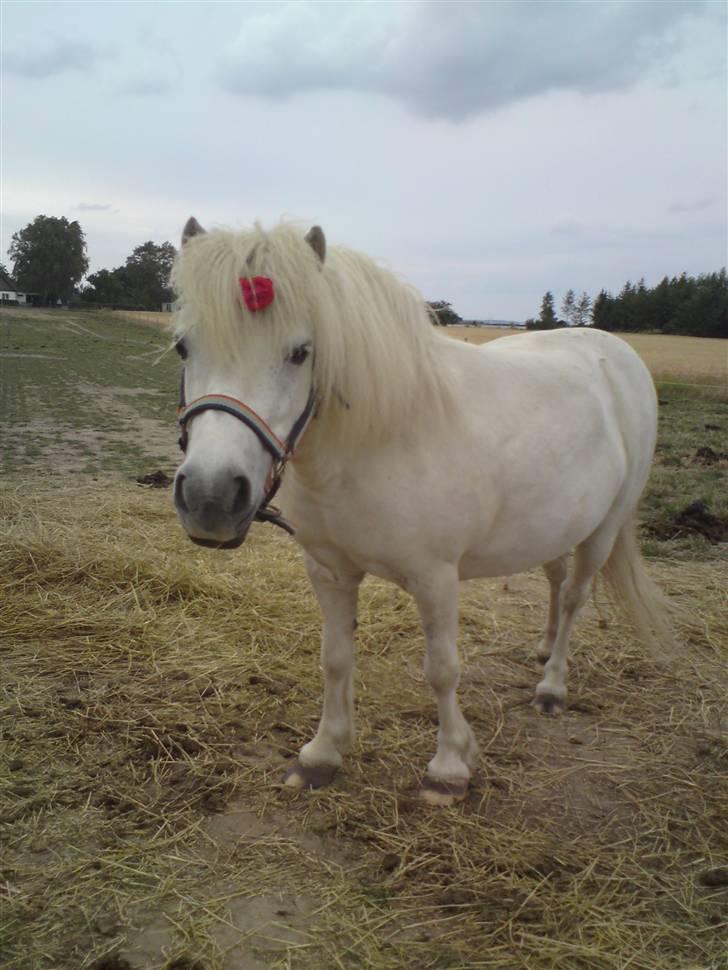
(141, 283)
(695, 306)
(49, 261)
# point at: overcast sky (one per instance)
(486, 151)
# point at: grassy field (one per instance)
(91, 393)
(95, 394)
(152, 692)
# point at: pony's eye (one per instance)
(299, 354)
(181, 348)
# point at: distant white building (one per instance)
(170, 307)
(9, 293)
(511, 324)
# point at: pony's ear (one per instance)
(192, 228)
(317, 241)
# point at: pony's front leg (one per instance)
(448, 773)
(319, 760)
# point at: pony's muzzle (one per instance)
(214, 510)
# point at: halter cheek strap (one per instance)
(230, 405)
(281, 451)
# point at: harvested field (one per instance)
(151, 694)
(670, 358)
(683, 359)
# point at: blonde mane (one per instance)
(378, 363)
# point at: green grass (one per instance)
(690, 420)
(73, 388)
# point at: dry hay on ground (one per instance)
(153, 692)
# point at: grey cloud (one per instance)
(43, 62)
(454, 59)
(568, 226)
(693, 205)
(92, 207)
(147, 86)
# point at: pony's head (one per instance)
(271, 324)
(247, 392)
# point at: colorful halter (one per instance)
(230, 405)
(281, 451)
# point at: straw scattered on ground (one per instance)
(153, 692)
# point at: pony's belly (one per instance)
(525, 545)
(396, 547)
(487, 566)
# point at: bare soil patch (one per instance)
(695, 519)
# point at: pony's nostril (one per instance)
(179, 498)
(241, 499)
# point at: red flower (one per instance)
(257, 293)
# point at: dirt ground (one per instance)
(153, 694)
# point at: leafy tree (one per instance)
(443, 314)
(148, 270)
(627, 301)
(110, 287)
(604, 312)
(583, 310)
(695, 306)
(568, 308)
(547, 318)
(704, 313)
(49, 257)
(662, 305)
(143, 281)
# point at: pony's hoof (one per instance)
(309, 776)
(443, 794)
(547, 703)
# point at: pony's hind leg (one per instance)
(319, 760)
(448, 773)
(589, 557)
(556, 574)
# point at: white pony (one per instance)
(418, 458)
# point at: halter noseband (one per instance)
(281, 451)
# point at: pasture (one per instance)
(152, 693)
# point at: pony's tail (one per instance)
(645, 604)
